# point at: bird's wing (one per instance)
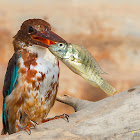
(11, 76)
(10, 83)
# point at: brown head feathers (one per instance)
(27, 29)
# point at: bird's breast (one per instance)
(39, 76)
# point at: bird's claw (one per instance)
(64, 116)
(30, 125)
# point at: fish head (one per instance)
(60, 50)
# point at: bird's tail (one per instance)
(100, 82)
(5, 120)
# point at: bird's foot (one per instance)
(28, 127)
(64, 116)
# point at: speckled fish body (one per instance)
(80, 61)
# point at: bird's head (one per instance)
(35, 32)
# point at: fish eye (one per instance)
(60, 44)
(30, 29)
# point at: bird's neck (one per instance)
(42, 53)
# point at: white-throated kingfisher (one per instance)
(32, 77)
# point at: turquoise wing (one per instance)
(10, 82)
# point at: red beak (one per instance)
(48, 37)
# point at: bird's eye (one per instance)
(61, 44)
(30, 29)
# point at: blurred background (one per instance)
(109, 29)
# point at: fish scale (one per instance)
(80, 61)
(84, 53)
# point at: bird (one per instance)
(32, 77)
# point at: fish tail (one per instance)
(106, 87)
